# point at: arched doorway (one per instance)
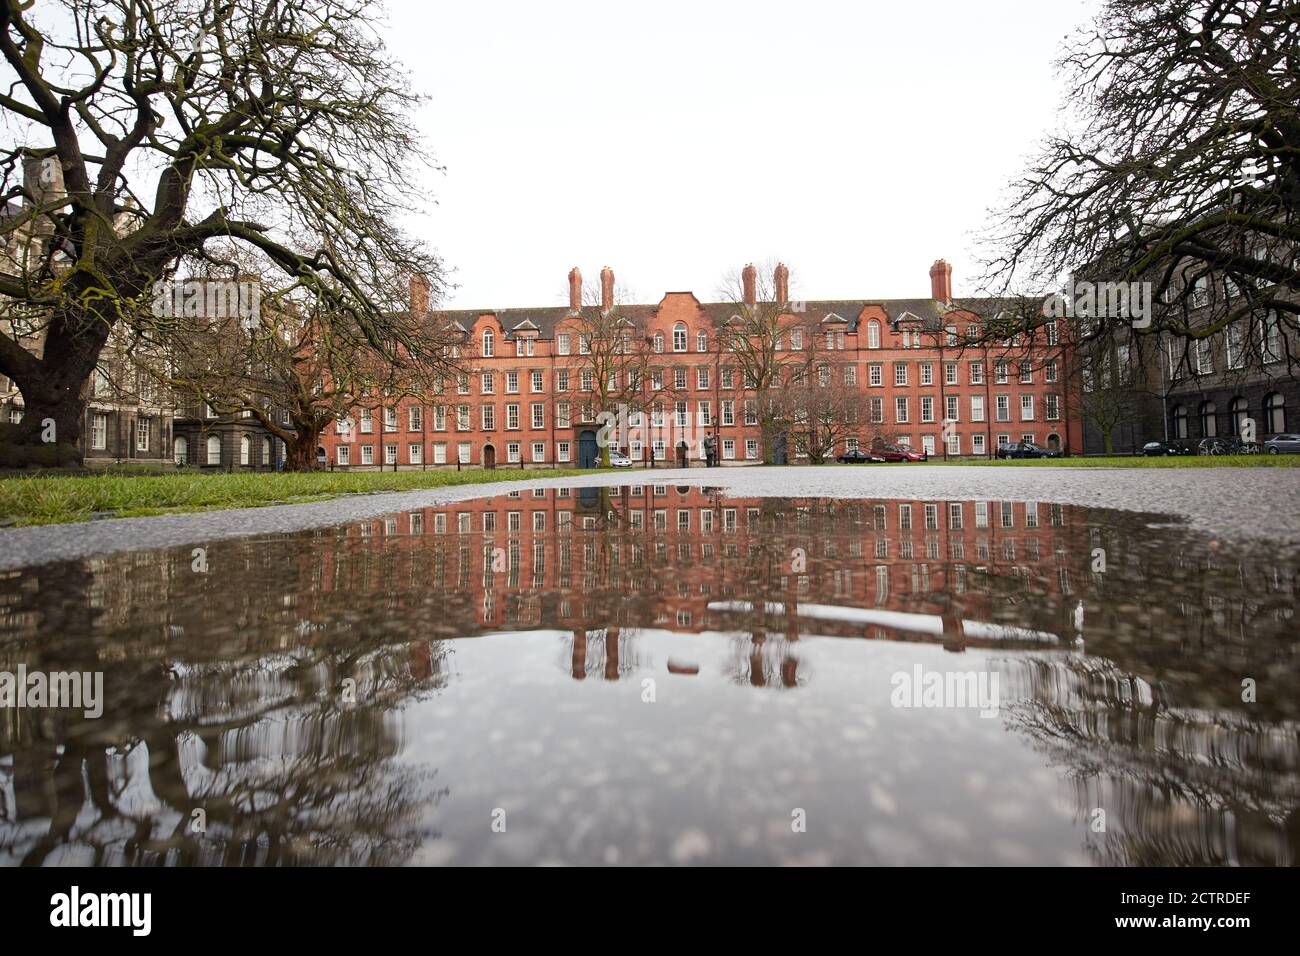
(588, 453)
(1054, 442)
(489, 456)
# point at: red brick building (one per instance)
(526, 397)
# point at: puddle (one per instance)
(665, 675)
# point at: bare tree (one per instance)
(1180, 167)
(253, 121)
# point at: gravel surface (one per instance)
(1237, 503)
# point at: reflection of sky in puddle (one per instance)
(636, 682)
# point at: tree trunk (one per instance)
(300, 454)
(49, 434)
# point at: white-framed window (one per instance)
(440, 453)
(876, 375)
(344, 455)
(679, 337)
(1052, 407)
(1026, 408)
(415, 419)
(512, 416)
(1026, 373)
(538, 381)
(367, 454)
(702, 377)
(1003, 408)
(415, 453)
(512, 452)
(367, 421)
(900, 373)
(390, 419)
(977, 373)
(900, 409)
(562, 343)
(562, 453)
(729, 448)
(489, 343)
(1000, 373)
(927, 373)
(873, 334)
(99, 431)
(539, 451)
(488, 417)
(539, 414)
(142, 434)
(390, 454)
(181, 450)
(214, 449)
(927, 408)
(464, 452)
(701, 341)
(977, 443)
(977, 408)
(512, 383)
(245, 450)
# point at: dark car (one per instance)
(897, 453)
(1026, 449)
(1173, 446)
(1283, 444)
(855, 456)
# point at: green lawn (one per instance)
(1139, 461)
(53, 499)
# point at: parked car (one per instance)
(619, 460)
(1282, 444)
(1026, 449)
(897, 453)
(1174, 446)
(856, 456)
(1227, 446)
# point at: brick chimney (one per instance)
(419, 294)
(749, 279)
(606, 289)
(781, 280)
(575, 289)
(941, 282)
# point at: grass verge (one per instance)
(56, 499)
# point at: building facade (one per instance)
(526, 395)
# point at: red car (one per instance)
(898, 453)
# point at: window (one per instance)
(524, 346)
(679, 337)
(1000, 373)
(562, 415)
(728, 412)
(512, 383)
(390, 454)
(539, 451)
(367, 421)
(659, 341)
(1026, 373)
(344, 455)
(1239, 412)
(951, 410)
(927, 409)
(440, 418)
(488, 418)
(488, 386)
(245, 450)
(850, 375)
(1209, 420)
(99, 432)
(873, 334)
(1049, 370)
(489, 343)
(463, 451)
(679, 378)
(1003, 408)
(977, 373)
(562, 451)
(977, 444)
(1204, 357)
(539, 415)
(181, 450)
(1274, 413)
(1270, 344)
(950, 373)
(876, 410)
(440, 453)
(900, 373)
(977, 408)
(1180, 421)
(900, 409)
(729, 448)
(214, 448)
(1235, 346)
(927, 373)
(1026, 408)
(537, 381)
(462, 418)
(512, 416)
(390, 419)
(512, 452)
(415, 453)
(1052, 407)
(875, 374)
(751, 449)
(701, 341)
(796, 339)
(142, 434)
(702, 377)
(562, 343)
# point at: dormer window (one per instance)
(873, 334)
(489, 343)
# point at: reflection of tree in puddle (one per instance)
(284, 761)
(761, 660)
(606, 654)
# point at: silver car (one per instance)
(1282, 444)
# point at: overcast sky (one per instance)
(675, 142)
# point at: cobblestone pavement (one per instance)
(1239, 503)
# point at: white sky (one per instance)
(674, 142)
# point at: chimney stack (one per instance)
(749, 279)
(575, 289)
(419, 294)
(941, 282)
(606, 289)
(781, 280)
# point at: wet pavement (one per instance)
(672, 674)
